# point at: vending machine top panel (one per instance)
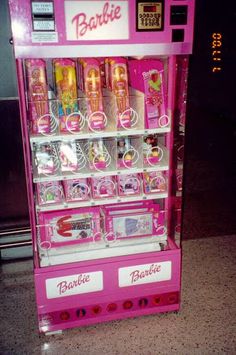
(55, 28)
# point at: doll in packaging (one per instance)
(68, 156)
(38, 97)
(152, 153)
(65, 78)
(93, 92)
(124, 153)
(97, 155)
(119, 87)
(46, 159)
(147, 75)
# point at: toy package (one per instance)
(152, 153)
(68, 156)
(76, 189)
(93, 92)
(154, 182)
(37, 96)
(124, 153)
(132, 222)
(103, 187)
(147, 76)
(66, 87)
(97, 155)
(129, 184)
(70, 227)
(50, 192)
(46, 158)
(119, 87)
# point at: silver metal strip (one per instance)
(101, 50)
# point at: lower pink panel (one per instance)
(97, 313)
(115, 288)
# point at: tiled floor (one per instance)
(205, 325)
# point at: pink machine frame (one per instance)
(103, 289)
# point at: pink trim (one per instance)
(27, 153)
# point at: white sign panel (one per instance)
(74, 284)
(46, 37)
(42, 7)
(143, 274)
(96, 20)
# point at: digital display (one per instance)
(149, 8)
(216, 48)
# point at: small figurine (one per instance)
(96, 154)
(124, 153)
(150, 149)
(68, 157)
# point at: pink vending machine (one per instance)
(102, 88)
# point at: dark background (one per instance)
(210, 162)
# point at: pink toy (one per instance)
(124, 153)
(147, 76)
(46, 159)
(103, 187)
(65, 78)
(76, 189)
(131, 223)
(154, 182)
(49, 192)
(69, 227)
(37, 95)
(152, 153)
(97, 155)
(68, 156)
(119, 87)
(93, 92)
(129, 184)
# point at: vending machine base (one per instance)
(107, 290)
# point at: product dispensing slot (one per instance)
(43, 15)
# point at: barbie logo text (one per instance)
(110, 13)
(136, 275)
(65, 286)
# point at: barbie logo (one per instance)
(136, 275)
(144, 274)
(74, 284)
(83, 23)
(65, 286)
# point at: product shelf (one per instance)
(101, 250)
(99, 202)
(92, 135)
